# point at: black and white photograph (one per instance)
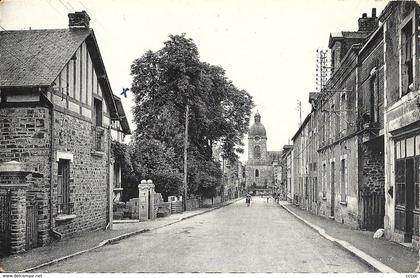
(219, 137)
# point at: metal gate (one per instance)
(4, 224)
(31, 226)
(373, 209)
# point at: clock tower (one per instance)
(259, 169)
(257, 142)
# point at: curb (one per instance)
(121, 237)
(367, 259)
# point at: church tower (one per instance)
(257, 142)
(258, 170)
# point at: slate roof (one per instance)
(359, 35)
(32, 58)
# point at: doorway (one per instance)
(409, 196)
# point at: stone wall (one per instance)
(25, 137)
(193, 204)
(88, 173)
(372, 167)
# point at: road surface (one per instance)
(235, 238)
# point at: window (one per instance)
(63, 187)
(400, 182)
(257, 152)
(405, 150)
(343, 114)
(315, 189)
(257, 173)
(374, 107)
(98, 112)
(343, 180)
(407, 57)
(324, 179)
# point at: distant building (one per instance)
(261, 165)
(285, 170)
(338, 158)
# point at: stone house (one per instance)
(56, 111)
(402, 121)
(285, 172)
(338, 150)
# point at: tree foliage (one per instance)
(164, 82)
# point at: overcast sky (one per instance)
(267, 47)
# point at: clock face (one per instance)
(257, 138)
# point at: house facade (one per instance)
(338, 159)
(402, 121)
(56, 111)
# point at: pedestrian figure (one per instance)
(248, 199)
(268, 198)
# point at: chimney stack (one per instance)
(368, 24)
(78, 20)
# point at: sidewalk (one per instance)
(85, 242)
(390, 254)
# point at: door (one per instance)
(5, 223)
(409, 217)
(332, 188)
(31, 225)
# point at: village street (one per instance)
(236, 238)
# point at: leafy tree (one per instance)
(122, 156)
(164, 83)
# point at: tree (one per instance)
(129, 180)
(164, 82)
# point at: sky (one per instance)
(267, 47)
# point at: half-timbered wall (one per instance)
(77, 85)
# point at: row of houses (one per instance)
(356, 156)
(58, 116)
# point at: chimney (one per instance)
(368, 24)
(78, 20)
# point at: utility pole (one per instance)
(299, 107)
(186, 156)
(323, 68)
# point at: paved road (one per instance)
(236, 238)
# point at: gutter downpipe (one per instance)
(55, 234)
(108, 182)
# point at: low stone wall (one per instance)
(192, 204)
(209, 202)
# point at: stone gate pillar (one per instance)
(13, 186)
(146, 200)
